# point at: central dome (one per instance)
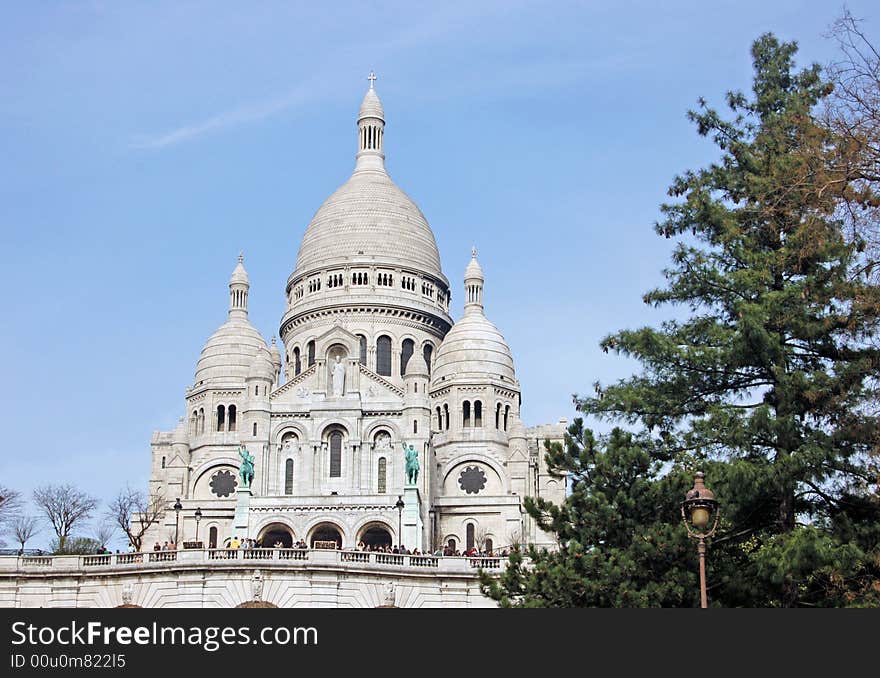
(368, 218)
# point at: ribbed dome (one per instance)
(369, 217)
(416, 366)
(239, 275)
(371, 106)
(261, 366)
(229, 352)
(473, 348)
(275, 353)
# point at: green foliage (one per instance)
(622, 542)
(763, 383)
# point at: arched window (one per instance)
(212, 538)
(201, 420)
(383, 356)
(297, 365)
(221, 417)
(466, 414)
(255, 429)
(232, 413)
(336, 454)
(163, 462)
(439, 419)
(506, 415)
(488, 545)
(452, 544)
(470, 536)
(362, 340)
(310, 347)
(288, 476)
(478, 413)
(498, 416)
(382, 475)
(446, 416)
(428, 352)
(406, 351)
(415, 425)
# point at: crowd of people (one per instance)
(448, 551)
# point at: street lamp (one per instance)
(399, 505)
(177, 507)
(198, 517)
(698, 509)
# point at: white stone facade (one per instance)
(369, 360)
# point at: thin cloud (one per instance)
(251, 113)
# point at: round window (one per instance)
(223, 483)
(472, 479)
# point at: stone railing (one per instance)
(222, 557)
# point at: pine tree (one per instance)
(770, 369)
(622, 543)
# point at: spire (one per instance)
(239, 284)
(473, 285)
(371, 131)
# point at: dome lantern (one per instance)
(473, 285)
(371, 131)
(239, 284)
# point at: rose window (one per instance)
(223, 483)
(472, 479)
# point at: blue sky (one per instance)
(146, 144)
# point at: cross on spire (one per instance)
(474, 251)
(372, 78)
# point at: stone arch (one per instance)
(450, 465)
(276, 529)
(374, 427)
(331, 424)
(323, 529)
(366, 524)
(206, 468)
(288, 427)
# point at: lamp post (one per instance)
(399, 505)
(177, 507)
(698, 509)
(198, 517)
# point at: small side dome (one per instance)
(473, 348)
(228, 353)
(180, 435)
(517, 429)
(275, 354)
(416, 366)
(261, 366)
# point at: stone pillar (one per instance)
(242, 512)
(412, 518)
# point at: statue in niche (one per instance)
(383, 441)
(389, 595)
(338, 377)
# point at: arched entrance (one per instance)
(375, 535)
(276, 532)
(323, 535)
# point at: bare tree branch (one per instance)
(64, 507)
(134, 512)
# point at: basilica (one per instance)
(376, 419)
